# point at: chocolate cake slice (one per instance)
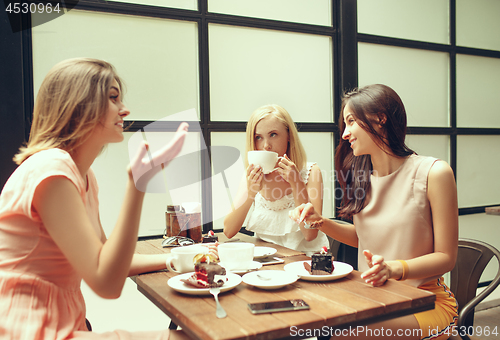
(210, 237)
(322, 263)
(211, 274)
(207, 273)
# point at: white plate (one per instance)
(260, 252)
(340, 270)
(176, 284)
(279, 278)
(254, 266)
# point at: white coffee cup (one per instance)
(180, 259)
(236, 255)
(266, 159)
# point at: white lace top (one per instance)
(269, 221)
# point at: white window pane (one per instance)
(181, 4)
(484, 228)
(222, 196)
(477, 170)
(319, 148)
(478, 24)
(478, 86)
(423, 20)
(110, 169)
(430, 145)
(419, 77)
(317, 12)
(157, 58)
(260, 67)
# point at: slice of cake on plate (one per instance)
(210, 237)
(207, 272)
(321, 263)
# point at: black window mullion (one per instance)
(205, 117)
(453, 88)
(29, 96)
(347, 64)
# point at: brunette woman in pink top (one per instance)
(50, 234)
(403, 207)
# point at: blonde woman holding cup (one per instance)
(269, 197)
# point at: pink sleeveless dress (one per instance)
(40, 295)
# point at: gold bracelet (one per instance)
(406, 270)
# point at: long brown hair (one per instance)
(369, 105)
(71, 101)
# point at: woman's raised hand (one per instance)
(288, 170)
(142, 169)
(254, 180)
(305, 213)
(379, 271)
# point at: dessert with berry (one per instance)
(207, 272)
(321, 263)
(210, 237)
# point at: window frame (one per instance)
(343, 33)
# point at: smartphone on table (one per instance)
(270, 260)
(278, 306)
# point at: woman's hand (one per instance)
(379, 272)
(212, 249)
(288, 171)
(306, 213)
(142, 169)
(254, 180)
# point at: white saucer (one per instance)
(261, 252)
(278, 279)
(253, 266)
(340, 270)
(175, 283)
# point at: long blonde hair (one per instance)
(71, 101)
(295, 150)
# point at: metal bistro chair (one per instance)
(472, 258)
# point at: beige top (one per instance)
(397, 222)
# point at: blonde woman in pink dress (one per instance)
(50, 234)
(403, 207)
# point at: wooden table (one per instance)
(339, 303)
(492, 210)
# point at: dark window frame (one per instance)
(345, 38)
